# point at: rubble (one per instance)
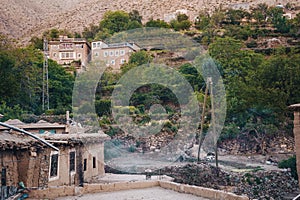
(255, 184)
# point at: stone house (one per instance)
(69, 159)
(39, 127)
(70, 52)
(113, 55)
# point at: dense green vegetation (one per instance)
(21, 82)
(260, 82)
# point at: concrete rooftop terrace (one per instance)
(154, 193)
(132, 187)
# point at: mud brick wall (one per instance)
(297, 136)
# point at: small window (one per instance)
(112, 62)
(98, 44)
(122, 52)
(105, 53)
(117, 53)
(54, 54)
(96, 54)
(54, 165)
(94, 45)
(72, 161)
(94, 162)
(111, 53)
(84, 164)
(3, 177)
(79, 55)
(123, 61)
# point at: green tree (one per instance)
(235, 16)
(37, 42)
(60, 88)
(115, 21)
(140, 58)
(90, 32)
(182, 22)
(260, 12)
(157, 23)
(202, 21)
(134, 15)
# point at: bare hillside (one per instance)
(24, 19)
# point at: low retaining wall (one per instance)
(55, 192)
(201, 191)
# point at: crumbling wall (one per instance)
(8, 161)
(30, 166)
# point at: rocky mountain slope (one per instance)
(23, 19)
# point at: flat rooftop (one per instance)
(154, 193)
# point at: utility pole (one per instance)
(213, 121)
(202, 120)
(209, 85)
(45, 98)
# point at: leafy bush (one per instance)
(132, 149)
(103, 107)
(290, 163)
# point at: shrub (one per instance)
(290, 163)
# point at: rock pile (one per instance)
(267, 185)
(256, 185)
(202, 174)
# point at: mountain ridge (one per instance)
(23, 19)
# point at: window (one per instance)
(66, 55)
(55, 46)
(123, 61)
(66, 46)
(79, 55)
(94, 45)
(105, 53)
(84, 164)
(112, 62)
(41, 131)
(3, 177)
(96, 54)
(54, 165)
(54, 54)
(94, 162)
(111, 53)
(98, 44)
(72, 161)
(117, 52)
(79, 46)
(122, 52)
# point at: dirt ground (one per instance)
(155, 193)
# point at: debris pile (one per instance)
(202, 174)
(267, 184)
(255, 184)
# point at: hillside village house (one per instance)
(24, 158)
(70, 52)
(39, 127)
(113, 55)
